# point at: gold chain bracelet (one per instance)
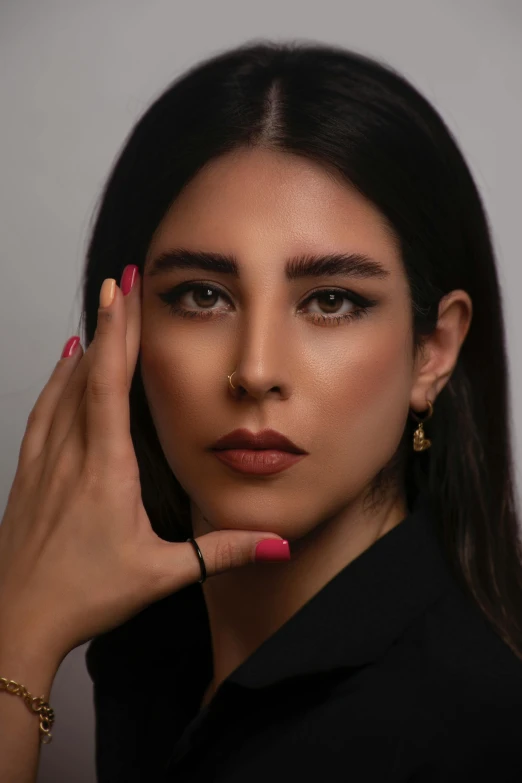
(36, 704)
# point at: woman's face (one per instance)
(337, 387)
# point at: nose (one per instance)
(262, 363)
(256, 385)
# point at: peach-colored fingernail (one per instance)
(272, 549)
(70, 347)
(107, 291)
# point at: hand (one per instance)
(78, 555)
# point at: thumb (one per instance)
(221, 551)
(226, 549)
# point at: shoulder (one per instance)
(445, 700)
(460, 645)
(466, 695)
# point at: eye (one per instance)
(330, 298)
(206, 295)
(202, 295)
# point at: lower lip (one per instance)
(262, 462)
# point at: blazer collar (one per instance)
(362, 611)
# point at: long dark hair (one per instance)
(365, 122)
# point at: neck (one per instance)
(247, 605)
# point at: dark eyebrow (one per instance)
(356, 265)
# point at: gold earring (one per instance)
(421, 443)
(230, 380)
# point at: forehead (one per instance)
(253, 200)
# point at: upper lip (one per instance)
(265, 439)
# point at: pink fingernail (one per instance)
(128, 277)
(70, 347)
(272, 549)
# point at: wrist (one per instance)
(27, 661)
(28, 677)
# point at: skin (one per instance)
(341, 391)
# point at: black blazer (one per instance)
(388, 674)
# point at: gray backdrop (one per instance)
(75, 76)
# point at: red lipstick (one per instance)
(265, 439)
(262, 453)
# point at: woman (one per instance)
(310, 256)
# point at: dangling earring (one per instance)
(420, 443)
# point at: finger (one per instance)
(176, 565)
(71, 419)
(42, 414)
(69, 406)
(107, 397)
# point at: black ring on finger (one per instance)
(201, 561)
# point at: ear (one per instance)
(440, 351)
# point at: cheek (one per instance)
(180, 386)
(367, 399)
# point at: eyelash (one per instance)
(172, 297)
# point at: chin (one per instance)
(284, 524)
